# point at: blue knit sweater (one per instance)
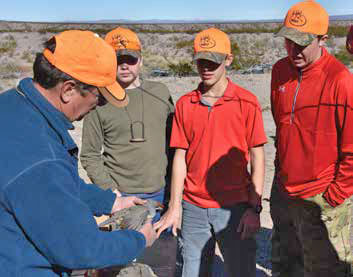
(46, 210)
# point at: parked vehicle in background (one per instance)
(159, 73)
(257, 69)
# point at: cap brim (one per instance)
(298, 37)
(128, 52)
(210, 56)
(115, 95)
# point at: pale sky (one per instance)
(44, 10)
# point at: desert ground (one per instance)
(18, 48)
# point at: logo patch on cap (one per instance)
(297, 18)
(207, 42)
(120, 41)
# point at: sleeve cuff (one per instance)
(333, 202)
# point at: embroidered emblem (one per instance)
(282, 89)
(207, 42)
(297, 18)
(120, 41)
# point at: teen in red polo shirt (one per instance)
(311, 98)
(217, 129)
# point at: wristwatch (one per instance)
(257, 209)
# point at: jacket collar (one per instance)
(228, 95)
(56, 119)
(314, 67)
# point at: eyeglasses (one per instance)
(90, 89)
(95, 93)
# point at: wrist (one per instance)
(255, 200)
(174, 205)
(257, 208)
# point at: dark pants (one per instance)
(310, 238)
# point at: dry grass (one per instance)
(8, 45)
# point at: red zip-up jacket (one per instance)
(312, 109)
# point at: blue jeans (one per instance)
(200, 230)
(157, 196)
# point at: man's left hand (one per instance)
(249, 224)
(126, 202)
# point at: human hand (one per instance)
(172, 217)
(149, 233)
(118, 194)
(126, 202)
(249, 224)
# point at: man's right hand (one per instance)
(172, 217)
(149, 233)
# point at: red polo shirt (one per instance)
(217, 142)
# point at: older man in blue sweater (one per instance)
(46, 211)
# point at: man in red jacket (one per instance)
(312, 102)
(349, 41)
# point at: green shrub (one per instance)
(252, 30)
(8, 45)
(181, 68)
(27, 56)
(7, 69)
(184, 43)
(245, 58)
(337, 31)
(344, 56)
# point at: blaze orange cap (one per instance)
(124, 42)
(86, 57)
(349, 41)
(212, 44)
(304, 21)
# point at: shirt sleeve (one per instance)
(98, 200)
(178, 138)
(341, 187)
(255, 133)
(91, 156)
(60, 225)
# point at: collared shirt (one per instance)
(217, 142)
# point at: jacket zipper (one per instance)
(295, 97)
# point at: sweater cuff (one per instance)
(103, 202)
(332, 197)
(109, 198)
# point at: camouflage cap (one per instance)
(125, 42)
(211, 56)
(304, 22)
(298, 37)
(128, 52)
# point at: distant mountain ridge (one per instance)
(187, 21)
